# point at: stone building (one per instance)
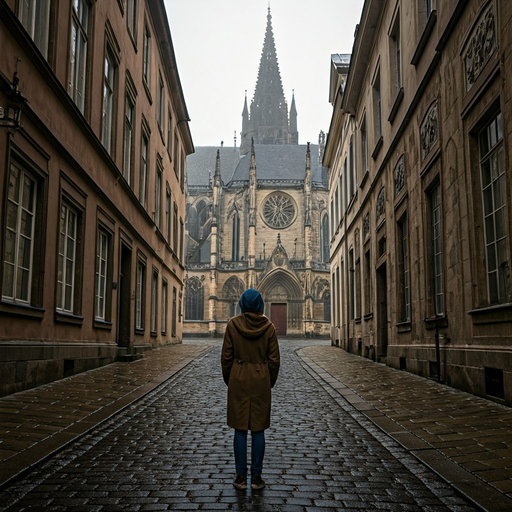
(420, 192)
(257, 217)
(92, 200)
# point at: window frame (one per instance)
(165, 306)
(36, 22)
(140, 294)
(154, 302)
(77, 89)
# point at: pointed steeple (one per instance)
(245, 116)
(268, 113)
(293, 121)
(268, 108)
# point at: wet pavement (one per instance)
(171, 450)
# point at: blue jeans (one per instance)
(257, 451)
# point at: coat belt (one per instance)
(239, 361)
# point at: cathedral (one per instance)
(257, 217)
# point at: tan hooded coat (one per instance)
(250, 364)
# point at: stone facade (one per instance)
(421, 192)
(257, 217)
(92, 187)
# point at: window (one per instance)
(403, 270)
(377, 108)
(154, 300)
(352, 171)
(131, 18)
(140, 295)
(324, 233)
(364, 146)
(231, 292)
(103, 276)
(395, 56)
(436, 242)
(78, 52)
(35, 17)
(168, 214)
(176, 149)
(424, 12)
(495, 212)
(351, 286)
(235, 233)
(357, 290)
(334, 314)
(175, 230)
(20, 237)
(194, 299)
(143, 176)
(336, 209)
(182, 238)
(174, 312)
(332, 217)
(160, 105)
(182, 170)
(67, 258)
(169, 133)
(146, 56)
(163, 326)
(158, 196)
(367, 282)
(108, 102)
(129, 118)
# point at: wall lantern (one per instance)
(10, 113)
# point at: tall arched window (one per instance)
(194, 299)
(324, 236)
(235, 249)
(327, 306)
(232, 290)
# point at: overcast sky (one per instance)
(218, 47)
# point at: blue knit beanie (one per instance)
(251, 301)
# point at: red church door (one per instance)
(278, 315)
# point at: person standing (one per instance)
(250, 365)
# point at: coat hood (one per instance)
(251, 325)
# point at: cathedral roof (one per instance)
(281, 163)
(201, 164)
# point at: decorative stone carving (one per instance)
(381, 203)
(399, 176)
(366, 226)
(480, 47)
(279, 210)
(429, 131)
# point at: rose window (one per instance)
(279, 210)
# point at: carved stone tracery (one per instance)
(381, 203)
(429, 132)
(399, 176)
(480, 47)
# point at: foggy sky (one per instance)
(218, 47)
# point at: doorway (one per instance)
(382, 313)
(278, 315)
(124, 298)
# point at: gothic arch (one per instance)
(281, 285)
(232, 291)
(194, 299)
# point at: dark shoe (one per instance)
(257, 483)
(240, 482)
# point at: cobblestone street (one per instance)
(172, 451)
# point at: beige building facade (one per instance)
(257, 217)
(92, 197)
(421, 192)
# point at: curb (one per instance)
(479, 493)
(22, 463)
